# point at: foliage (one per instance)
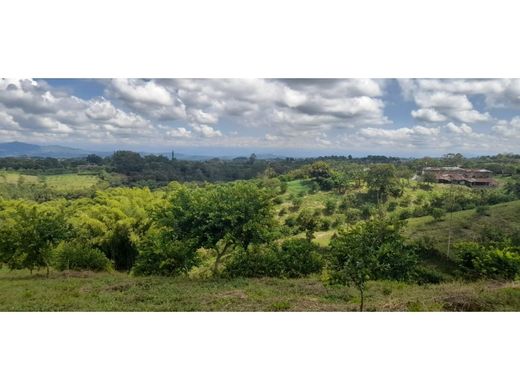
(28, 231)
(220, 217)
(308, 223)
(487, 262)
(373, 249)
(292, 259)
(382, 180)
(74, 255)
(159, 255)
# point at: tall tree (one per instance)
(220, 217)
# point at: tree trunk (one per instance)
(48, 270)
(362, 300)
(219, 258)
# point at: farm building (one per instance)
(457, 175)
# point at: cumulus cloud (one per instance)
(439, 101)
(462, 129)
(292, 113)
(429, 115)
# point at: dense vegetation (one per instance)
(341, 221)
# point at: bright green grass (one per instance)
(68, 182)
(20, 291)
(14, 178)
(72, 182)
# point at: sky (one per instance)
(290, 117)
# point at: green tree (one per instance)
(382, 180)
(307, 222)
(221, 217)
(28, 232)
(127, 162)
(373, 249)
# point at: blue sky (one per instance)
(297, 117)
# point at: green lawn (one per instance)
(20, 291)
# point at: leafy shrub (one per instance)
(160, 255)
(293, 258)
(392, 206)
(290, 221)
(487, 262)
(278, 200)
(325, 223)
(299, 258)
(353, 214)
(330, 206)
(425, 275)
(70, 255)
(438, 214)
(256, 261)
(405, 214)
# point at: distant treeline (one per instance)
(158, 170)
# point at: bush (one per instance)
(330, 206)
(69, 255)
(392, 206)
(478, 261)
(438, 214)
(160, 255)
(293, 258)
(353, 215)
(424, 275)
(405, 214)
(256, 261)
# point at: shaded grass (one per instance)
(20, 291)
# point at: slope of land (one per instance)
(116, 291)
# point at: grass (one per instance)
(69, 182)
(466, 225)
(20, 291)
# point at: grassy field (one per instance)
(62, 183)
(466, 225)
(20, 291)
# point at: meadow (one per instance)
(117, 291)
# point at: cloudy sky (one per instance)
(403, 117)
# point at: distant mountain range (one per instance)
(21, 149)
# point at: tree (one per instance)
(127, 162)
(513, 186)
(307, 222)
(28, 232)
(373, 249)
(321, 173)
(220, 217)
(382, 180)
(94, 159)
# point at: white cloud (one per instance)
(439, 100)
(462, 129)
(205, 130)
(179, 132)
(138, 91)
(428, 115)
(508, 129)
